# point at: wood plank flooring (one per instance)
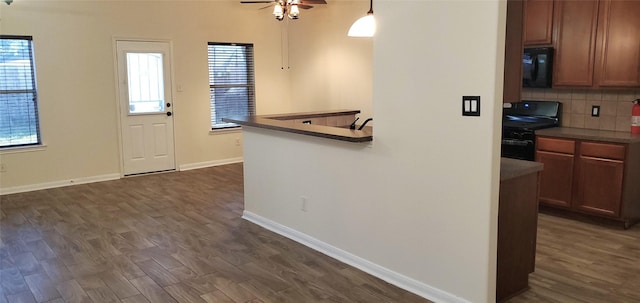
(172, 237)
(178, 237)
(580, 262)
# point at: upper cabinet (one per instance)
(538, 22)
(574, 42)
(597, 43)
(617, 61)
(513, 52)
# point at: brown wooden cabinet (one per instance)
(517, 227)
(618, 44)
(512, 87)
(556, 183)
(593, 178)
(597, 43)
(574, 42)
(600, 188)
(538, 22)
(600, 173)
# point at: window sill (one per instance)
(22, 149)
(225, 130)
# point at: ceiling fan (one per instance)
(289, 8)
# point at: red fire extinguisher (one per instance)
(635, 117)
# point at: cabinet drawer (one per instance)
(556, 145)
(602, 150)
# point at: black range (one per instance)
(520, 120)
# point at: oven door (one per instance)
(518, 149)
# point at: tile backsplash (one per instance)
(615, 106)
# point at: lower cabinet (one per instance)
(592, 178)
(557, 183)
(517, 232)
(600, 186)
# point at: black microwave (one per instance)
(537, 67)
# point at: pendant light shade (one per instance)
(365, 26)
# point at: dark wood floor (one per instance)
(178, 237)
(173, 237)
(584, 263)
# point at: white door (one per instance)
(146, 121)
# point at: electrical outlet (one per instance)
(304, 204)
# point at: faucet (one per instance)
(353, 125)
(363, 124)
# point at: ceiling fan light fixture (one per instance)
(278, 11)
(365, 26)
(294, 11)
(8, 2)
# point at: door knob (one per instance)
(169, 114)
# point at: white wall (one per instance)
(422, 200)
(330, 70)
(75, 73)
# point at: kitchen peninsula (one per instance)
(325, 124)
(322, 172)
(517, 225)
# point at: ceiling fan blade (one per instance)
(313, 2)
(303, 6)
(268, 6)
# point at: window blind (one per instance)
(19, 123)
(231, 82)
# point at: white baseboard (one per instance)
(397, 279)
(108, 177)
(54, 184)
(210, 163)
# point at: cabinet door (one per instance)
(513, 52)
(618, 44)
(574, 43)
(538, 21)
(556, 179)
(600, 189)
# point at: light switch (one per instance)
(471, 105)
(595, 111)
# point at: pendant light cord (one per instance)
(370, 12)
(281, 47)
(288, 48)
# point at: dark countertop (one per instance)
(513, 168)
(322, 131)
(589, 134)
(307, 115)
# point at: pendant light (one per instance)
(8, 2)
(365, 26)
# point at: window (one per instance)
(19, 124)
(231, 82)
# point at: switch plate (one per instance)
(471, 106)
(595, 111)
